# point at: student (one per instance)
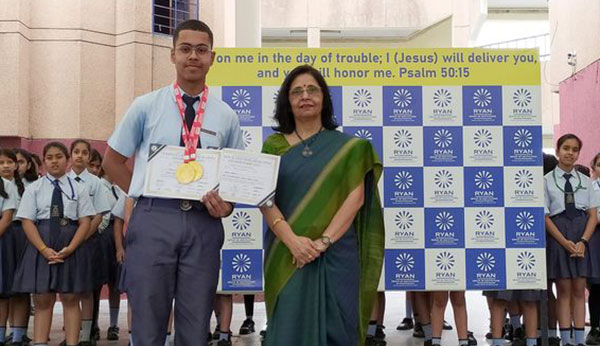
(13, 244)
(80, 153)
(570, 207)
(248, 326)
(593, 337)
(459, 306)
(55, 213)
(26, 166)
(8, 204)
(528, 301)
(185, 235)
(106, 241)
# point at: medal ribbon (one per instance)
(191, 136)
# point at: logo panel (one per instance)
(484, 227)
(403, 187)
(362, 106)
(443, 146)
(243, 229)
(404, 228)
(483, 146)
(445, 269)
(522, 105)
(269, 99)
(442, 106)
(404, 269)
(402, 106)
(444, 228)
(486, 269)
(522, 145)
(241, 270)
(525, 227)
(246, 101)
(484, 186)
(524, 186)
(371, 134)
(403, 146)
(482, 105)
(443, 186)
(525, 269)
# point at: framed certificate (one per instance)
(247, 177)
(162, 165)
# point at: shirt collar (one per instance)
(64, 180)
(182, 93)
(560, 172)
(83, 175)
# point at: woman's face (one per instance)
(22, 164)
(94, 167)
(596, 168)
(306, 97)
(7, 167)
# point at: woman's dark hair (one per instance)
(594, 161)
(566, 137)
(31, 174)
(582, 169)
(77, 141)
(283, 108)
(57, 145)
(20, 187)
(37, 159)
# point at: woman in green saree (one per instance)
(324, 251)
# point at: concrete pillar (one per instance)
(247, 23)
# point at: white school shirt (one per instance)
(94, 188)
(37, 199)
(585, 195)
(154, 118)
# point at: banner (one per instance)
(459, 133)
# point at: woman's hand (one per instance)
(303, 250)
(65, 252)
(320, 245)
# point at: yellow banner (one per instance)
(382, 66)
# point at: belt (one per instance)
(63, 222)
(181, 204)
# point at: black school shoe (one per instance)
(379, 334)
(472, 340)
(447, 326)
(418, 331)
(372, 341)
(247, 327)
(406, 324)
(112, 333)
(593, 337)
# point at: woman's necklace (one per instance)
(307, 151)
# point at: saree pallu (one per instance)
(328, 301)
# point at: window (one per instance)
(167, 14)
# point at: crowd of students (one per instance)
(62, 233)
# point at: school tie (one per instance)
(190, 114)
(56, 214)
(78, 179)
(114, 192)
(570, 209)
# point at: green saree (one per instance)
(329, 301)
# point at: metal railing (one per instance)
(538, 41)
(167, 14)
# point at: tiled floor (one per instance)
(478, 323)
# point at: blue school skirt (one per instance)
(559, 263)
(35, 275)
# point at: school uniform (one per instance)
(92, 245)
(570, 222)
(106, 233)
(594, 242)
(7, 254)
(173, 246)
(56, 227)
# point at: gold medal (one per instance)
(199, 171)
(185, 173)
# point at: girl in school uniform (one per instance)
(593, 337)
(107, 247)
(8, 204)
(570, 207)
(80, 152)
(13, 246)
(55, 214)
(459, 306)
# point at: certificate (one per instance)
(163, 161)
(247, 177)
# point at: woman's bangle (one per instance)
(583, 240)
(277, 220)
(43, 248)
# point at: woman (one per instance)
(325, 249)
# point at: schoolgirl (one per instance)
(80, 152)
(593, 337)
(570, 207)
(55, 214)
(26, 166)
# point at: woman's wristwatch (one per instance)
(326, 240)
